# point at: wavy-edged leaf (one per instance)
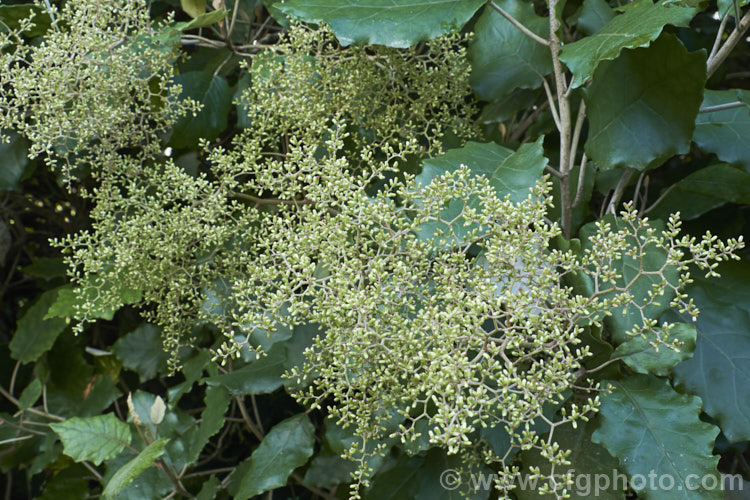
(504, 59)
(638, 26)
(652, 428)
(642, 106)
(35, 334)
(395, 23)
(705, 190)
(94, 438)
(131, 470)
(720, 367)
(725, 133)
(212, 419)
(641, 356)
(288, 445)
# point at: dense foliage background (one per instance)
(642, 102)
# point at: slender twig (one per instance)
(734, 38)
(719, 35)
(659, 199)
(256, 414)
(551, 102)
(638, 188)
(92, 470)
(581, 179)
(563, 106)
(583, 371)
(13, 400)
(234, 17)
(526, 31)
(246, 417)
(527, 121)
(620, 189)
(577, 134)
(736, 9)
(13, 376)
(553, 171)
(722, 107)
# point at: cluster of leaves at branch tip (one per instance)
(434, 323)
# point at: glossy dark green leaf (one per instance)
(639, 355)
(288, 445)
(212, 91)
(142, 351)
(653, 429)
(46, 268)
(72, 483)
(587, 459)
(703, 191)
(34, 334)
(642, 106)
(95, 438)
(504, 59)
(395, 23)
(212, 419)
(595, 14)
(510, 173)
(720, 366)
(262, 376)
(131, 470)
(725, 133)
(638, 26)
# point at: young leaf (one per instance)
(631, 100)
(36, 334)
(653, 429)
(194, 8)
(288, 445)
(725, 133)
(400, 23)
(94, 439)
(131, 470)
(503, 58)
(157, 411)
(30, 395)
(641, 23)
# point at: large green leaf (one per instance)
(642, 106)
(587, 459)
(720, 367)
(212, 419)
(725, 133)
(213, 92)
(510, 173)
(12, 15)
(328, 470)
(641, 356)
(142, 351)
(628, 268)
(595, 14)
(504, 59)
(396, 23)
(35, 334)
(641, 23)
(288, 445)
(704, 190)
(70, 299)
(261, 376)
(653, 429)
(95, 438)
(131, 470)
